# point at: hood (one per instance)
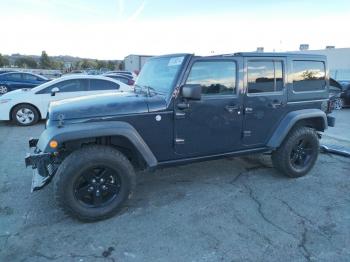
(102, 105)
(16, 93)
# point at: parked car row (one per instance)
(26, 106)
(10, 81)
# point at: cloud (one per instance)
(121, 8)
(136, 14)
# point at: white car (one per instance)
(26, 106)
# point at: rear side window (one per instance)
(98, 84)
(309, 76)
(74, 85)
(265, 76)
(215, 77)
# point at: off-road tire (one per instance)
(282, 159)
(17, 108)
(71, 169)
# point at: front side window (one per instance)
(309, 76)
(215, 77)
(98, 84)
(265, 76)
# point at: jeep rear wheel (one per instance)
(298, 153)
(94, 182)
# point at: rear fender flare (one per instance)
(289, 122)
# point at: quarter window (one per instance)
(215, 77)
(265, 76)
(309, 76)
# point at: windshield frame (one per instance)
(175, 81)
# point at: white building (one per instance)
(135, 62)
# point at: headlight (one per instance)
(4, 101)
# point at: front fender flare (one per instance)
(96, 129)
(290, 120)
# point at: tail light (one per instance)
(131, 82)
(327, 106)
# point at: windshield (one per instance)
(159, 73)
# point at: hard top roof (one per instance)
(274, 54)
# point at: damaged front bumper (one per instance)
(43, 165)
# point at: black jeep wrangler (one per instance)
(184, 108)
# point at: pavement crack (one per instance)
(234, 180)
(261, 213)
(292, 210)
(47, 257)
(303, 242)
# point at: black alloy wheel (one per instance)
(302, 153)
(298, 153)
(94, 182)
(97, 186)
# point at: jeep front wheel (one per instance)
(298, 153)
(94, 182)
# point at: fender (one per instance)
(96, 129)
(289, 121)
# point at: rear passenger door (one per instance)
(265, 98)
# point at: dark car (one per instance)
(335, 94)
(122, 78)
(6, 71)
(184, 109)
(345, 96)
(120, 72)
(16, 80)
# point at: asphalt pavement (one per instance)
(235, 209)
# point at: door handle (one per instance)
(183, 106)
(231, 109)
(276, 104)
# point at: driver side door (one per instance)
(213, 124)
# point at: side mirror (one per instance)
(193, 91)
(54, 91)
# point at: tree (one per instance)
(88, 64)
(59, 65)
(121, 65)
(110, 65)
(26, 62)
(101, 64)
(4, 61)
(45, 62)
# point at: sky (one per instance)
(113, 29)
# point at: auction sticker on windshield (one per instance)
(176, 61)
